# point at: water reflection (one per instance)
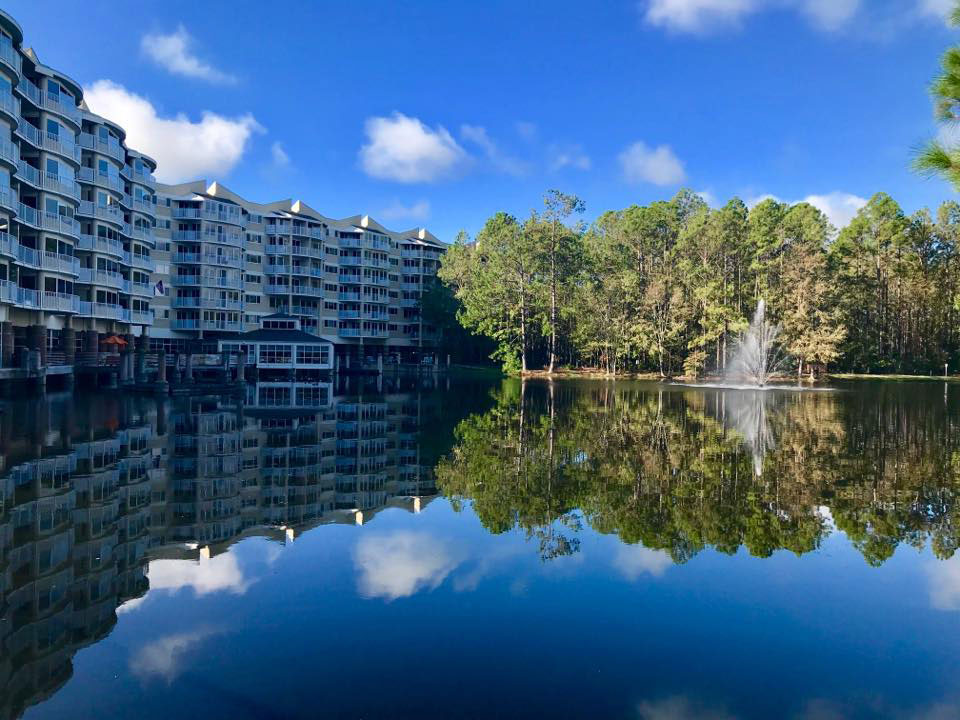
(679, 471)
(96, 492)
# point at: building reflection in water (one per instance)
(95, 488)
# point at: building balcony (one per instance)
(62, 224)
(185, 324)
(107, 213)
(9, 56)
(186, 213)
(143, 206)
(185, 301)
(235, 239)
(185, 236)
(349, 296)
(62, 106)
(142, 289)
(104, 180)
(139, 317)
(8, 199)
(142, 262)
(110, 147)
(63, 147)
(144, 177)
(30, 133)
(10, 153)
(186, 258)
(10, 105)
(94, 243)
(104, 311)
(104, 278)
(143, 234)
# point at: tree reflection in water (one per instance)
(682, 470)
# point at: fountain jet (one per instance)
(758, 354)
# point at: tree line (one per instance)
(682, 471)
(670, 287)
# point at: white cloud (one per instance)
(478, 135)
(679, 708)
(697, 16)
(221, 573)
(279, 156)
(568, 156)
(172, 52)
(163, 658)
(839, 207)
(403, 149)
(709, 198)
(939, 9)
(634, 561)
(944, 576)
(705, 16)
(659, 166)
(830, 14)
(398, 211)
(183, 149)
(401, 564)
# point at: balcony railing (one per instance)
(95, 177)
(182, 257)
(185, 235)
(109, 213)
(188, 213)
(9, 56)
(10, 152)
(53, 142)
(104, 310)
(139, 317)
(8, 199)
(60, 224)
(58, 104)
(91, 276)
(110, 147)
(29, 133)
(182, 301)
(9, 104)
(95, 243)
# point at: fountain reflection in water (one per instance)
(747, 412)
(759, 354)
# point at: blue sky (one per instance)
(441, 113)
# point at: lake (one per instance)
(434, 547)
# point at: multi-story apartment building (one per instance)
(76, 213)
(79, 258)
(231, 261)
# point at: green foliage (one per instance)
(939, 157)
(675, 472)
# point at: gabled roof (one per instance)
(279, 336)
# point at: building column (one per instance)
(90, 342)
(6, 344)
(241, 367)
(37, 340)
(68, 339)
(126, 367)
(188, 368)
(161, 366)
(141, 350)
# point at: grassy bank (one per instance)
(909, 378)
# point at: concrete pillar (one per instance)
(141, 351)
(6, 344)
(188, 368)
(380, 364)
(37, 340)
(241, 367)
(448, 361)
(90, 341)
(126, 367)
(68, 339)
(346, 359)
(162, 366)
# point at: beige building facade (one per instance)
(225, 262)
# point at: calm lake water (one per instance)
(436, 548)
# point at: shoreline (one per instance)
(568, 374)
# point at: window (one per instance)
(313, 354)
(275, 354)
